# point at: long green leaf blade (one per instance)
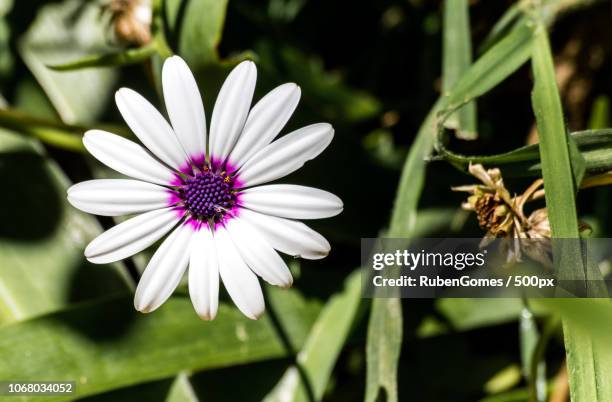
(557, 169)
(383, 349)
(587, 359)
(595, 146)
(456, 59)
(106, 344)
(307, 379)
(489, 70)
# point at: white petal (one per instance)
(114, 197)
(286, 155)
(259, 254)
(239, 281)
(291, 201)
(265, 121)
(184, 106)
(165, 270)
(287, 236)
(231, 109)
(126, 157)
(204, 274)
(131, 237)
(150, 127)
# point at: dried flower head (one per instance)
(502, 215)
(131, 21)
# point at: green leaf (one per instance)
(456, 59)
(383, 349)
(489, 70)
(307, 380)
(586, 330)
(468, 314)
(533, 364)
(403, 215)
(105, 345)
(594, 145)
(177, 389)
(504, 25)
(42, 238)
(492, 67)
(67, 31)
(588, 358)
(600, 113)
(518, 395)
(181, 390)
(557, 170)
(126, 57)
(589, 363)
(505, 379)
(195, 28)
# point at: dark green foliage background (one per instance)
(373, 70)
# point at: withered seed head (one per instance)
(493, 215)
(501, 215)
(131, 20)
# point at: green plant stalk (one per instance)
(53, 132)
(123, 58)
(49, 132)
(537, 370)
(308, 377)
(529, 338)
(158, 31)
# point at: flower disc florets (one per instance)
(208, 194)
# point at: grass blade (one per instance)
(587, 358)
(489, 70)
(126, 57)
(307, 379)
(557, 169)
(594, 145)
(492, 67)
(383, 349)
(456, 59)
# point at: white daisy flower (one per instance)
(222, 221)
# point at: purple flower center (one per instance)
(208, 195)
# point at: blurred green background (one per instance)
(373, 69)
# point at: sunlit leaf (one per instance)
(105, 345)
(42, 238)
(63, 32)
(307, 378)
(383, 349)
(195, 28)
(588, 363)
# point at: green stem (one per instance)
(551, 325)
(158, 30)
